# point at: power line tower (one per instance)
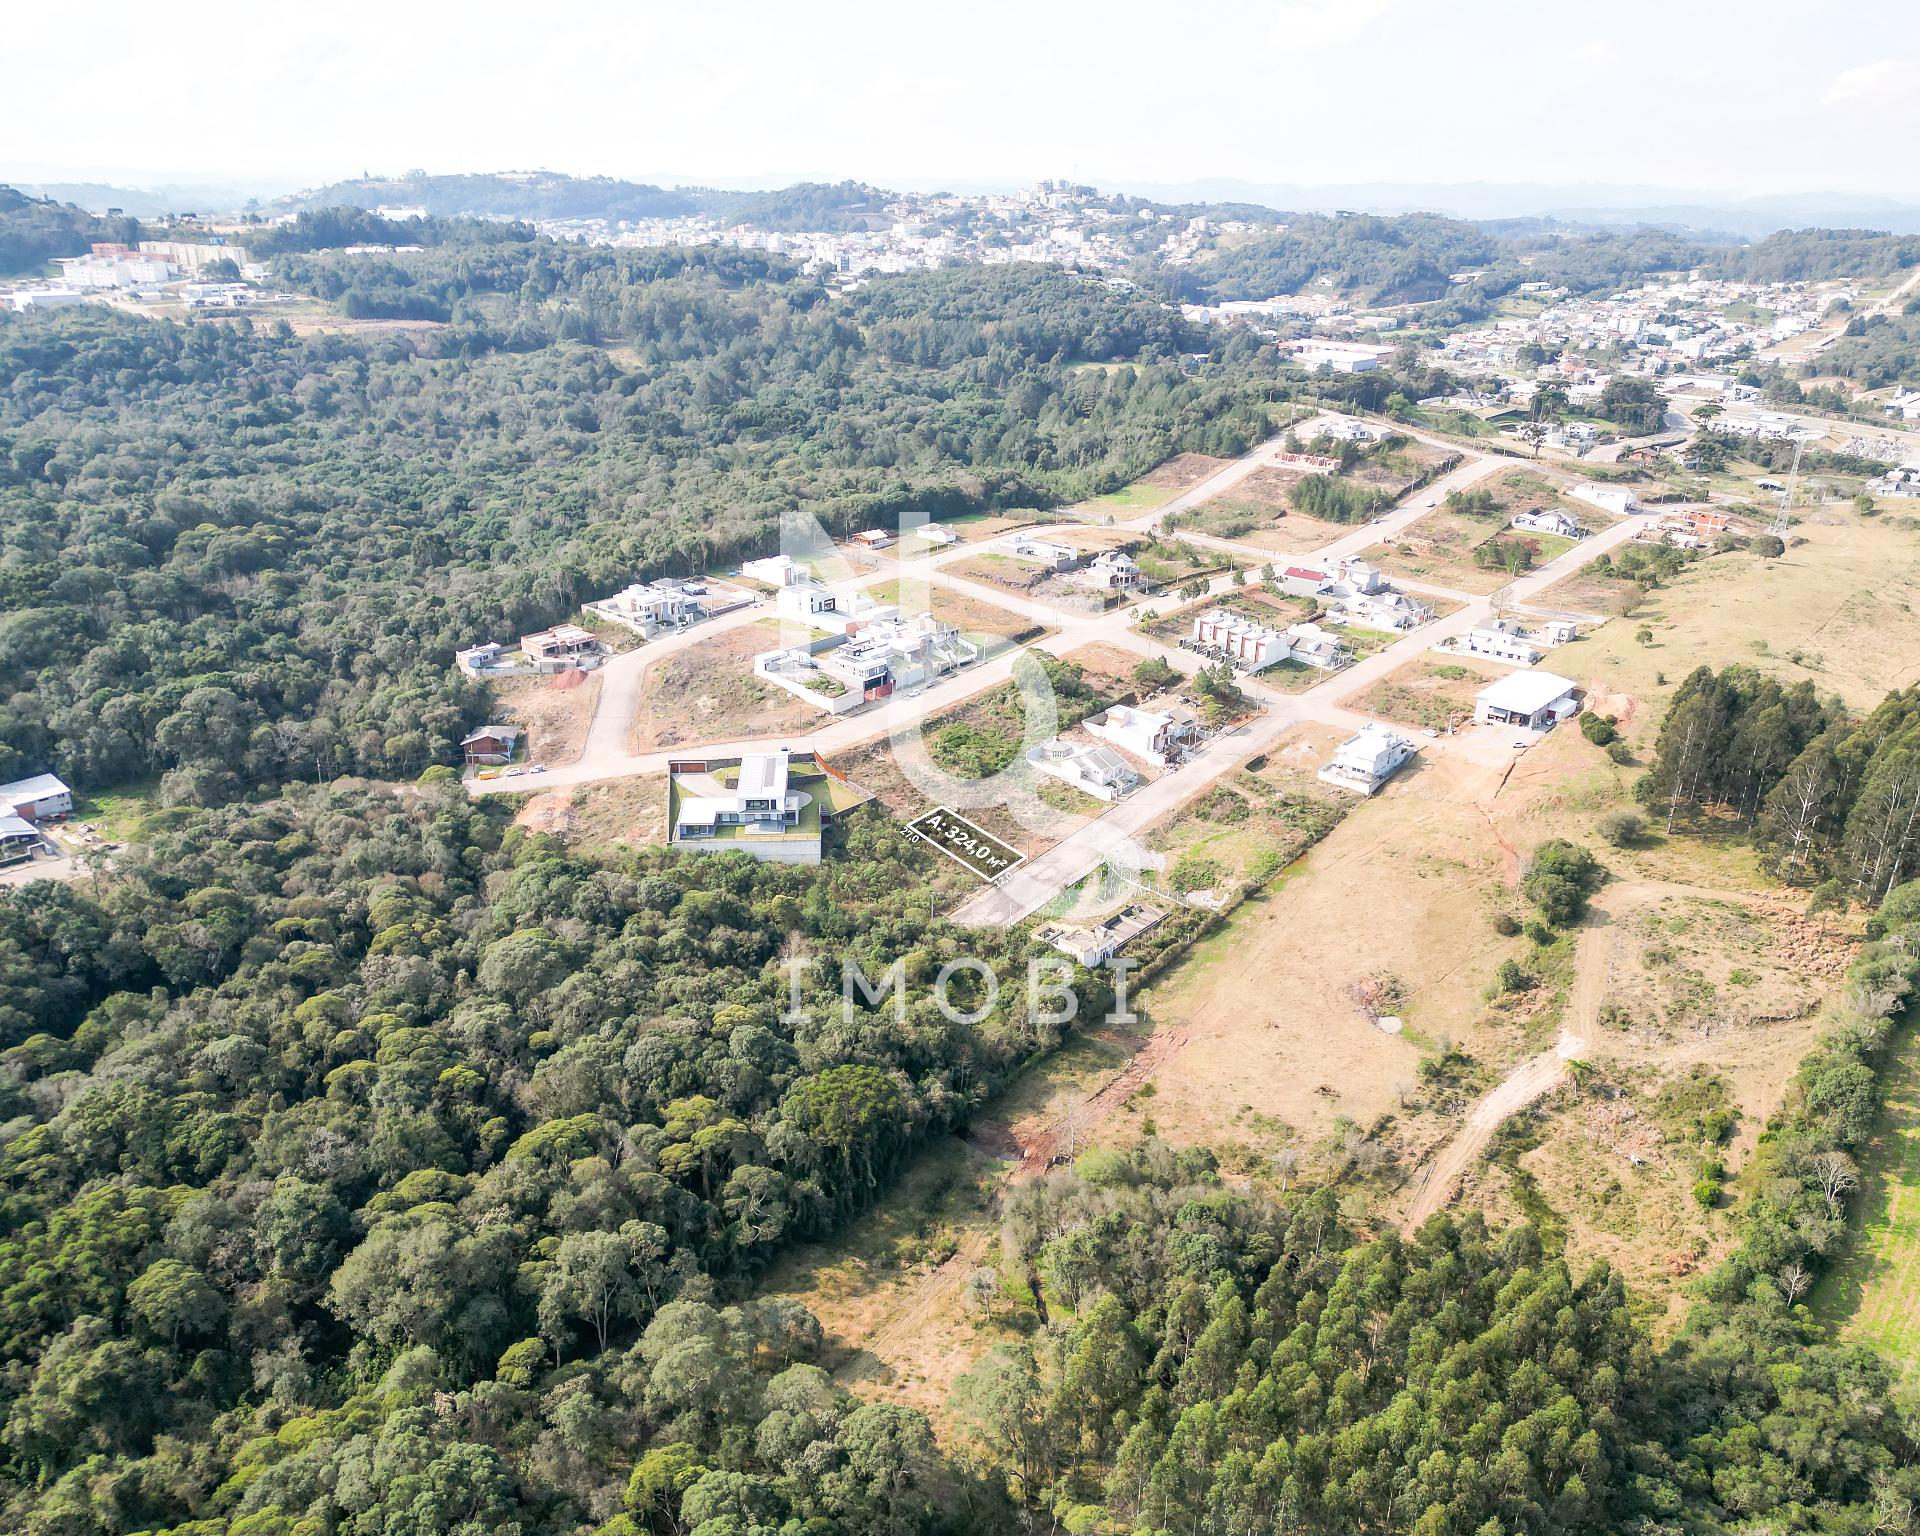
(1784, 518)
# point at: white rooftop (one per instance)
(1525, 693)
(763, 775)
(39, 787)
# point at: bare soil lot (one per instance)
(554, 711)
(620, 813)
(979, 620)
(708, 692)
(1184, 471)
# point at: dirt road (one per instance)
(1530, 1080)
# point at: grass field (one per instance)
(1873, 1297)
(1131, 498)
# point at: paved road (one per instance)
(1032, 885)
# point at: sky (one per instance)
(1739, 97)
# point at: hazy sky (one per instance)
(1743, 96)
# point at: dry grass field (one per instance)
(708, 692)
(1838, 608)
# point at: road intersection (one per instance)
(1032, 885)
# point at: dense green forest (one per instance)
(1876, 351)
(1213, 1361)
(1805, 255)
(1830, 796)
(231, 554)
(372, 1166)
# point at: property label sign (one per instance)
(981, 852)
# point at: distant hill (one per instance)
(836, 206)
(502, 195)
(153, 202)
(33, 230)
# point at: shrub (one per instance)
(1768, 545)
(1505, 924)
(1560, 879)
(1623, 828)
(1512, 977)
(1620, 752)
(1540, 933)
(1194, 872)
(1598, 729)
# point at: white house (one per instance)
(1905, 406)
(1110, 571)
(908, 651)
(1098, 771)
(1549, 520)
(873, 538)
(774, 570)
(40, 798)
(1246, 644)
(563, 646)
(485, 660)
(1347, 429)
(648, 607)
(1099, 942)
(19, 839)
(806, 600)
(759, 812)
(1360, 577)
(1317, 647)
(1151, 735)
(44, 298)
(1616, 499)
(938, 533)
(1537, 701)
(1366, 760)
(1031, 551)
(1500, 641)
(1304, 581)
(1393, 611)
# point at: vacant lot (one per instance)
(1276, 1049)
(1254, 822)
(621, 813)
(985, 735)
(1184, 471)
(1441, 548)
(1431, 692)
(708, 692)
(555, 712)
(988, 626)
(1838, 608)
(1445, 545)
